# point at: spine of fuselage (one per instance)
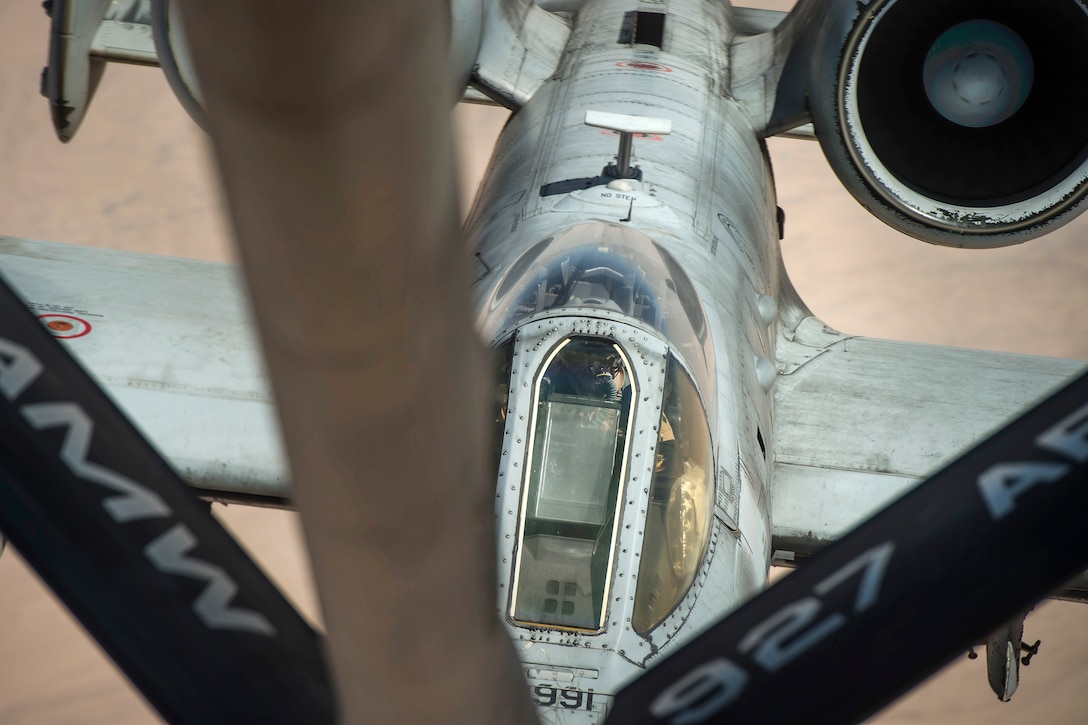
(137, 558)
(923, 580)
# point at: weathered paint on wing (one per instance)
(859, 421)
(172, 342)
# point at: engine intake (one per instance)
(960, 122)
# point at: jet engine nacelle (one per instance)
(466, 24)
(960, 122)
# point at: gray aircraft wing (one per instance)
(173, 343)
(860, 421)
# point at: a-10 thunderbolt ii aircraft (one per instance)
(668, 416)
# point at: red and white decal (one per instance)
(65, 327)
(643, 65)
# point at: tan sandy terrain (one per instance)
(136, 178)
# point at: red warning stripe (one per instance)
(643, 65)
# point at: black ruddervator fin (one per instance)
(132, 552)
(904, 593)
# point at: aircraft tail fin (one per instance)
(1003, 659)
(85, 35)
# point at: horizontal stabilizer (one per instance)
(86, 35)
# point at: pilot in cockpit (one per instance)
(679, 485)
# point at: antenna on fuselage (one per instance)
(627, 126)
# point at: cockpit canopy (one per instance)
(616, 435)
(681, 503)
(600, 266)
(577, 451)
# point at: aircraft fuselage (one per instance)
(555, 241)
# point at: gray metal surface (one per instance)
(173, 343)
(860, 421)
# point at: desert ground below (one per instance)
(137, 177)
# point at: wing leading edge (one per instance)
(172, 342)
(860, 421)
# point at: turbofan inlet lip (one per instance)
(1015, 220)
